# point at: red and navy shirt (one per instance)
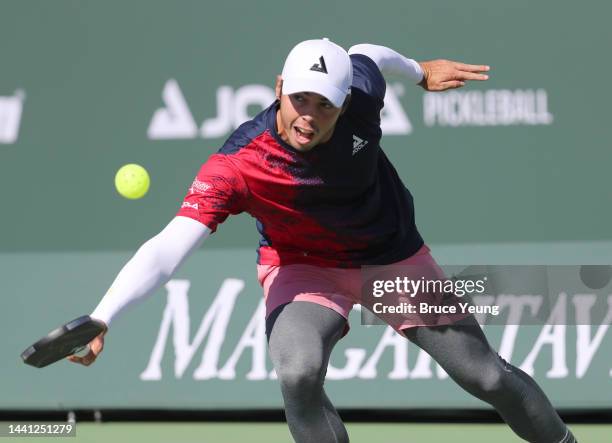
(341, 204)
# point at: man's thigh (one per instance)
(462, 343)
(303, 334)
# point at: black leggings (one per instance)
(301, 336)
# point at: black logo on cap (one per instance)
(320, 67)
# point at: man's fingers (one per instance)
(440, 75)
(79, 360)
(472, 68)
(453, 84)
(97, 344)
(95, 347)
(86, 360)
(462, 75)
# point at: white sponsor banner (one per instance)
(551, 343)
(175, 120)
(493, 107)
(456, 108)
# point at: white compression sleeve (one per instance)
(151, 266)
(389, 61)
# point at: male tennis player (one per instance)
(327, 201)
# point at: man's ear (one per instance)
(345, 105)
(278, 87)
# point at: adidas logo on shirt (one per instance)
(358, 144)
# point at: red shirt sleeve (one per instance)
(217, 191)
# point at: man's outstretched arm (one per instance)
(152, 266)
(434, 75)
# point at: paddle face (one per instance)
(63, 341)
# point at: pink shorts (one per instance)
(339, 288)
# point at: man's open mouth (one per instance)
(303, 136)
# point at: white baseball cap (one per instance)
(318, 66)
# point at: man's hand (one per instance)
(95, 348)
(440, 75)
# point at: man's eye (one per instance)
(327, 105)
(298, 98)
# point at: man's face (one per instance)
(305, 119)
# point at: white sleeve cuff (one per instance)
(390, 61)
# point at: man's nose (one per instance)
(310, 112)
(308, 117)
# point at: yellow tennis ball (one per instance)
(132, 181)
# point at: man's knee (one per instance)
(300, 375)
(495, 380)
(491, 380)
